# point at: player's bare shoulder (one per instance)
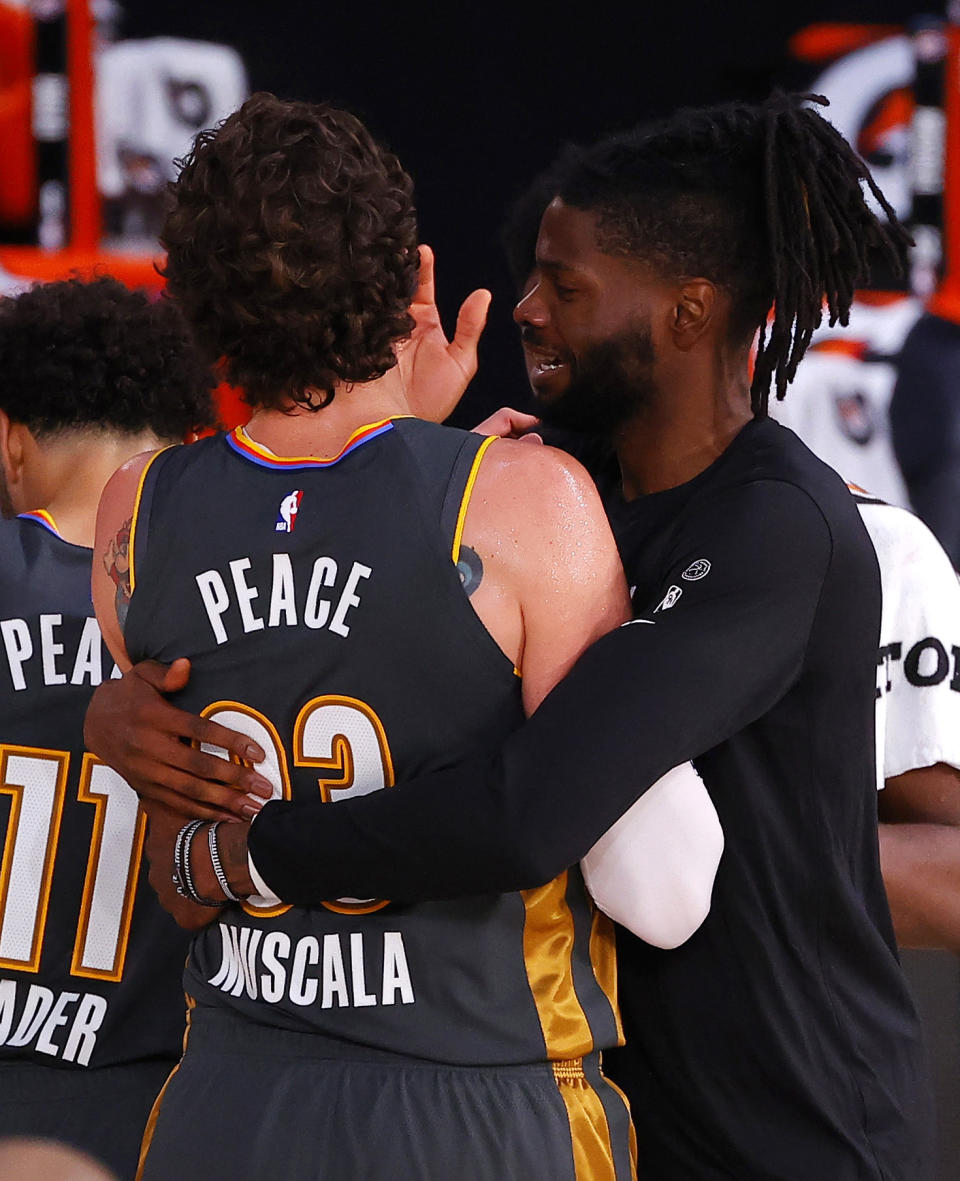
(540, 542)
(111, 578)
(538, 490)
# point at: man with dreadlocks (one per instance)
(780, 1040)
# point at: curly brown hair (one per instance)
(292, 250)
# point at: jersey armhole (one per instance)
(454, 511)
(140, 516)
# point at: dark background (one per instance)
(476, 98)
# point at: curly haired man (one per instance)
(358, 591)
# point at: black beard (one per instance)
(610, 383)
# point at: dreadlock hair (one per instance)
(765, 200)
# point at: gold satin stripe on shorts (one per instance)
(603, 957)
(633, 1131)
(589, 1130)
(155, 1110)
(548, 940)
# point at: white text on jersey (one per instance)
(313, 971)
(63, 1026)
(24, 639)
(287, 607)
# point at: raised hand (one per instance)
(437, 371)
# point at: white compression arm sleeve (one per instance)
(653, 871)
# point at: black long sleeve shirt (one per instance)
(780, 1039)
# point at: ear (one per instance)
(13, 447)
(693, 312)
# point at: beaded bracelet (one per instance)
(179, 877)
(217, 864)
(183, 870)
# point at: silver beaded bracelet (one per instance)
(180, 878)
(217, 864)
(183, 870)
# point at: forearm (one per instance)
(921, 871)
(519, 817)
(652, 694)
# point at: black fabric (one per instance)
(103, 1112)
(304, 1109)
(925, 423)
(780, 1041)
(72, 1009)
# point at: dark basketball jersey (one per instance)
(89, 963)
(321, 606)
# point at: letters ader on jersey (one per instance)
(89, 963)
(340, 637)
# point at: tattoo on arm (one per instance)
(117, 563)
(470, 569)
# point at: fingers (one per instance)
(163, 716)
(155, 747)
(207, 769)
(471, 322)
(209, 733)
(194, 799)
(177, 676)
(508, 423)
(426, 291)
(184, 807)
(165, 678)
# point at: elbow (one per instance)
(665, 920)
(689, 912)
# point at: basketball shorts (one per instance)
(249, 1102)
(102, 1111)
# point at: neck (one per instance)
(322, 433)
(76, 472)
(675, 439)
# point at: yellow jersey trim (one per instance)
(136, 511)
(244, 445)
(467, 493)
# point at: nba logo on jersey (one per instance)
(287, 516)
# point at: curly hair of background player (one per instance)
(78, 355)
(765, 200)
(292, 249)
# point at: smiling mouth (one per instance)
(540, 361)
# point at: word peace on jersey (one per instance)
(38, 647)
(289, 601)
